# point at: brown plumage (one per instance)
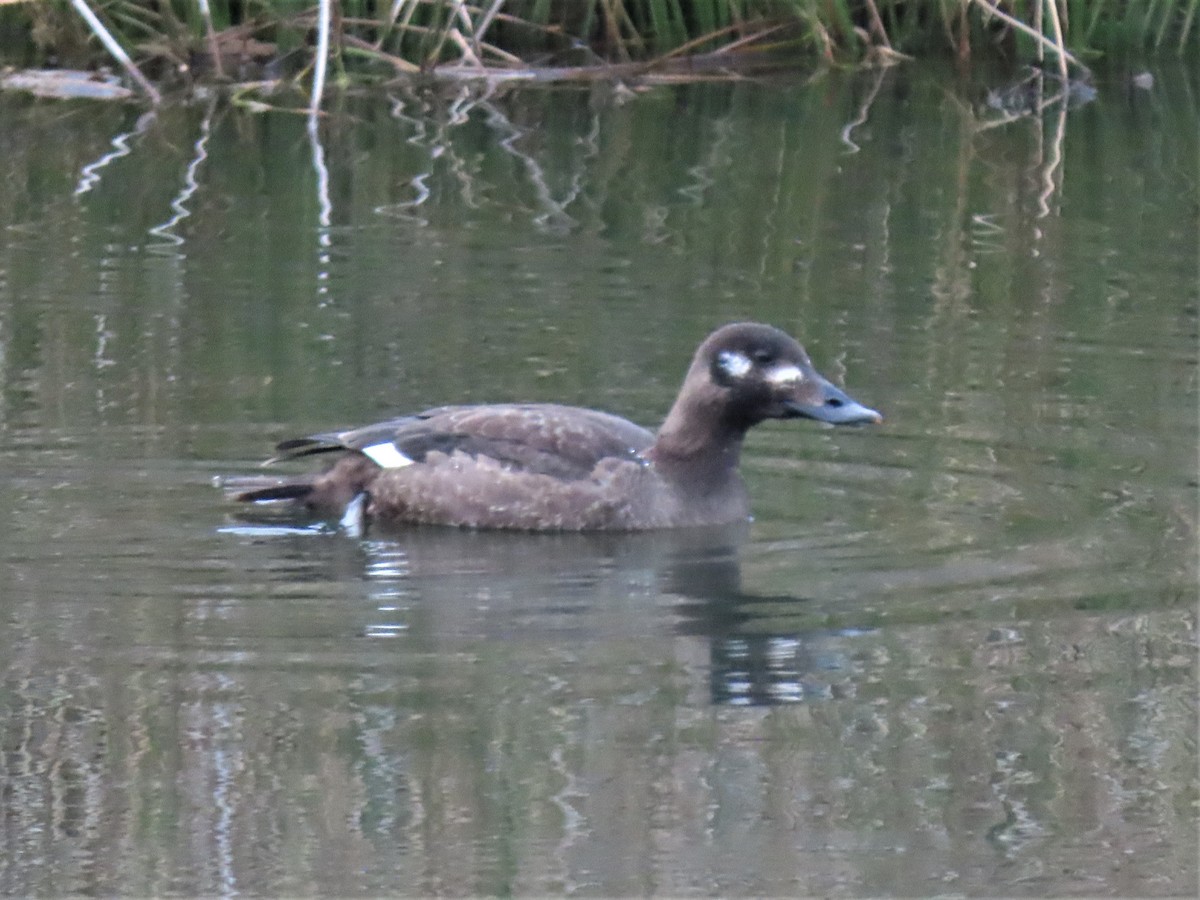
(547, 467)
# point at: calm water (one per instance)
(953, 654)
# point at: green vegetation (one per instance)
(243, 40)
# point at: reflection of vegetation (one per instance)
(263, 743)
(558, 39)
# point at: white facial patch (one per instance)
(734, 364)
(785, 375)
(387, 456)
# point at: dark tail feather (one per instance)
(261, 490)
(305, 446)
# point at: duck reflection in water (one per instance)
(444, 586)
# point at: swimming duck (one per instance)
(546, 467)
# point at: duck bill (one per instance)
(832, 405)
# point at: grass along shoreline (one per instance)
(170, 45)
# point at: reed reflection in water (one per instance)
(955, 654)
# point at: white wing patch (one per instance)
(387, 456)
(787, 374)
(735, 365)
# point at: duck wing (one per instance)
(538, 438)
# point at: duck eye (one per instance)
(763, 356)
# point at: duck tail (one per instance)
(261, 489)
(306, 446)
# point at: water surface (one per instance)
(952, 654)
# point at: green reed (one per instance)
(193, 37)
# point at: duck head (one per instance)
(741, 375)
(762, 373)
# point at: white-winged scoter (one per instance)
(545, 467)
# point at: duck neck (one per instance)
(696, 446)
